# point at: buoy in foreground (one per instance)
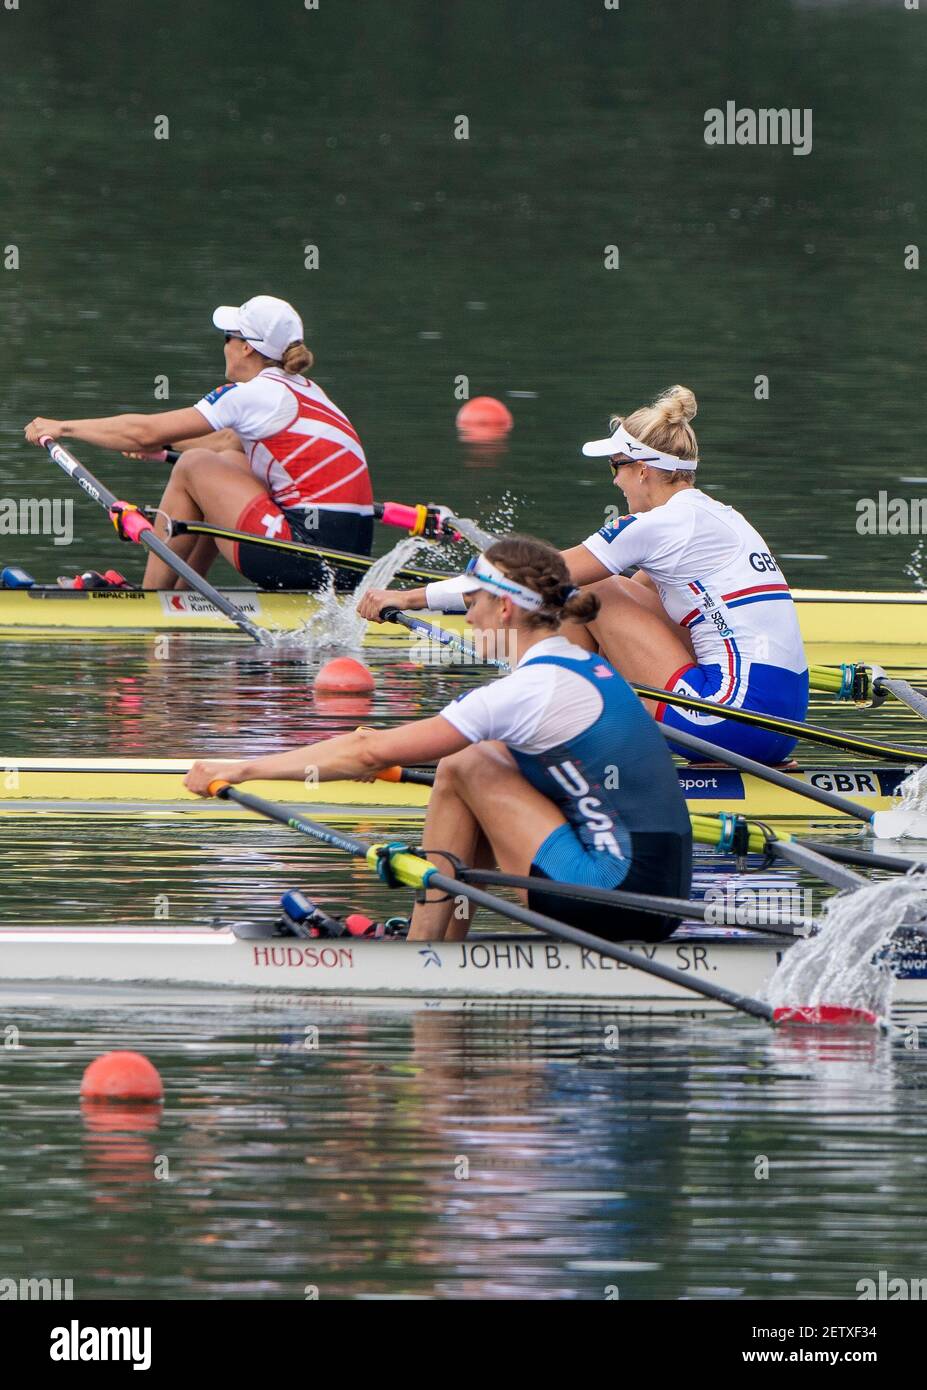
(122, 1076)
(483, 419)
(343, 673)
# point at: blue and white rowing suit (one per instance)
(717, 579)
(579, 734)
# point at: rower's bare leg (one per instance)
(642, 590)
(202, 483)
(480, 786)
(201, 556)
(644, 644)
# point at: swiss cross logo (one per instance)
(273, 524)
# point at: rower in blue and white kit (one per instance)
(554, 771)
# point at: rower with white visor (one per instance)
(554, 771)
(708, 612)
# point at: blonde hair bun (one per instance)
(677, 405)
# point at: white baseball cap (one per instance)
(270, 325)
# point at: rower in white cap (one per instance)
(281, 461)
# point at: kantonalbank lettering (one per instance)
(306, 957)
(597, 820)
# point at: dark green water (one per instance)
(482, 257)
(339, 1169)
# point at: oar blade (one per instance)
(824, 1016)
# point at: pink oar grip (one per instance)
(129, 522)
(398, 514)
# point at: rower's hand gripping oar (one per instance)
(397, 864)
(132, 525)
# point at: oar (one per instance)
(885, 824)
(861, 683)
(641, 902)
(419, 519)
(441, 635)
(813, 733)
(339, 559)
(132, 525)
(396, 864)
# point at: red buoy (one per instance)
(484, 419)
(344, 673)
(122, 1076)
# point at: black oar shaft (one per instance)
(866, 859)
(285, 816)
(818, 864)
(633, 959)
(814, 733)
(561, 931)
(768, 774)
(695, 908)
(101, 494)
(903, 691)
(338, 559)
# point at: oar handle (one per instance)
(419, 520)
(406, 774)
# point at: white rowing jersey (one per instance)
(717, 578)
(300, 445)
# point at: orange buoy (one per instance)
(122, 1076)
(344, 673)
(484, 419)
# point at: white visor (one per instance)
(620, 442)
(483, 574)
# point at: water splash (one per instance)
(849, 960)
(914, 569)
(335, 622)
(471, 532)
(912, 794)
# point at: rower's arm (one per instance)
(136, 431)
(217, 440)
(360, 754)
(583, 566)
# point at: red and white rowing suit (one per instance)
(718, 580)
(308, 456)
